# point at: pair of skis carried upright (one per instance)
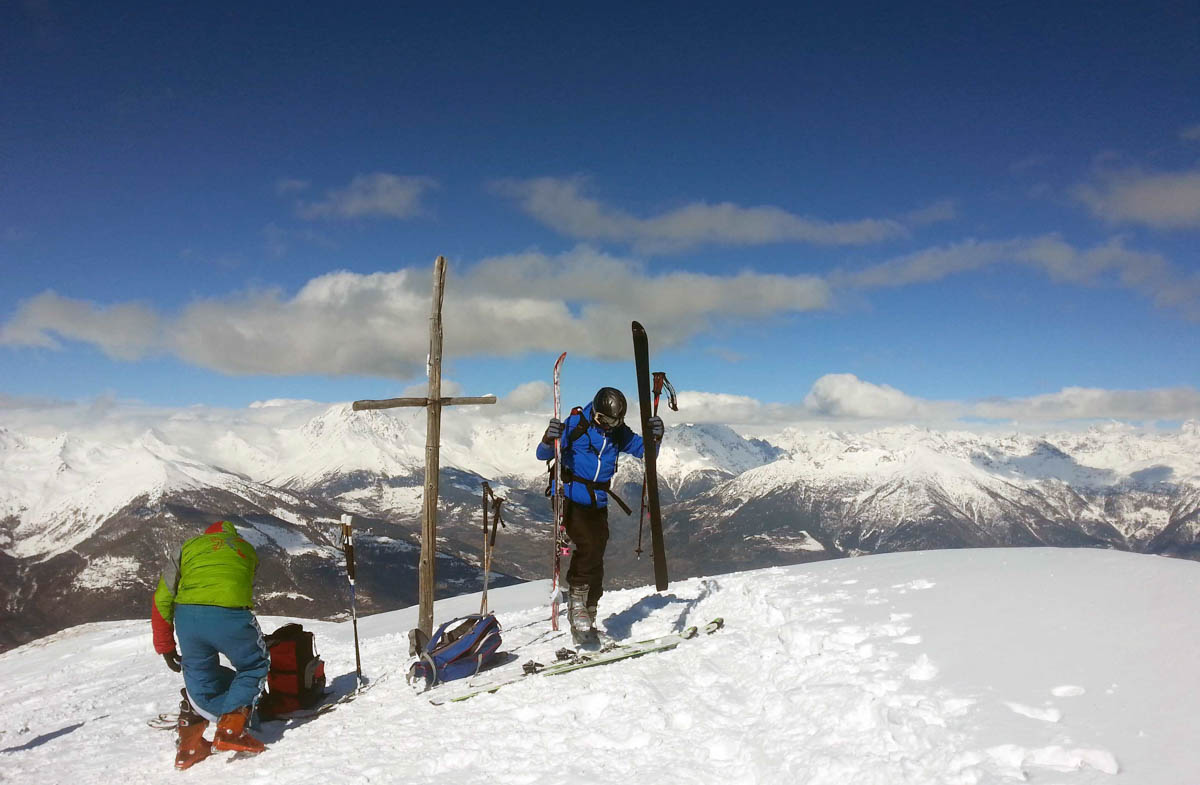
(650, 502)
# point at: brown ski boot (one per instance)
(191, 746)
(232, 733)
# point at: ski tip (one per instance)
(714, 625)
(637, 327)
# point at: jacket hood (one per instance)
(221, 526)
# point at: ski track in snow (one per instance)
(825, 674)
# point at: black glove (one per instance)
(656, 428)
(172, 658)
(553, 431)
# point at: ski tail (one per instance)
(348, 550)
(641, 357)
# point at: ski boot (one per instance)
(191, 746)
(583, 632)
(232, 733)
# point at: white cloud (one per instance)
(347, 323)
(844, 400)
(29, 402)
(931, 264)
(1161, 200)
(530, 396)
(1149, 274)
(696, 406)
(560, 204)
(370, 195)
(1080, 403)
(125, 331)
(837, 400)
(845, 396)
(1191, 133)
(581, 299)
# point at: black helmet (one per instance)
(608, 407)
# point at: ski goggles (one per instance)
(606, 421)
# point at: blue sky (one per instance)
(863, 212)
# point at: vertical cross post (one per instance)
(433, 443)
(433, 433)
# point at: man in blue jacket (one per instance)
(590, 443)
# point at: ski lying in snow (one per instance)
(168, 721)
(328, 705)
(578, 660)
(641, 359)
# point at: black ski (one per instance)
(641, 359)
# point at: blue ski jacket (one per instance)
(591, 459)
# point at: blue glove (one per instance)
(656, 428)
(553, 431)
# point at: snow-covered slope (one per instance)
(60, 491)
(957, 667)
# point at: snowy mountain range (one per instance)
(88, 514)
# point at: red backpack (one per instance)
(297, 676)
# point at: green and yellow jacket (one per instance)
(216, 568)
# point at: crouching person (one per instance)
(204, 598)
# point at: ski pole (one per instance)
(490, 539)
(660, 379)
(348, 549)
(486, 558)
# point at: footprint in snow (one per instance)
(1018, 759)
(1067, 691)
(916, 585)
(1046, 714)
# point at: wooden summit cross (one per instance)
(433, 433)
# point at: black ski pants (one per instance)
(588, 529)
